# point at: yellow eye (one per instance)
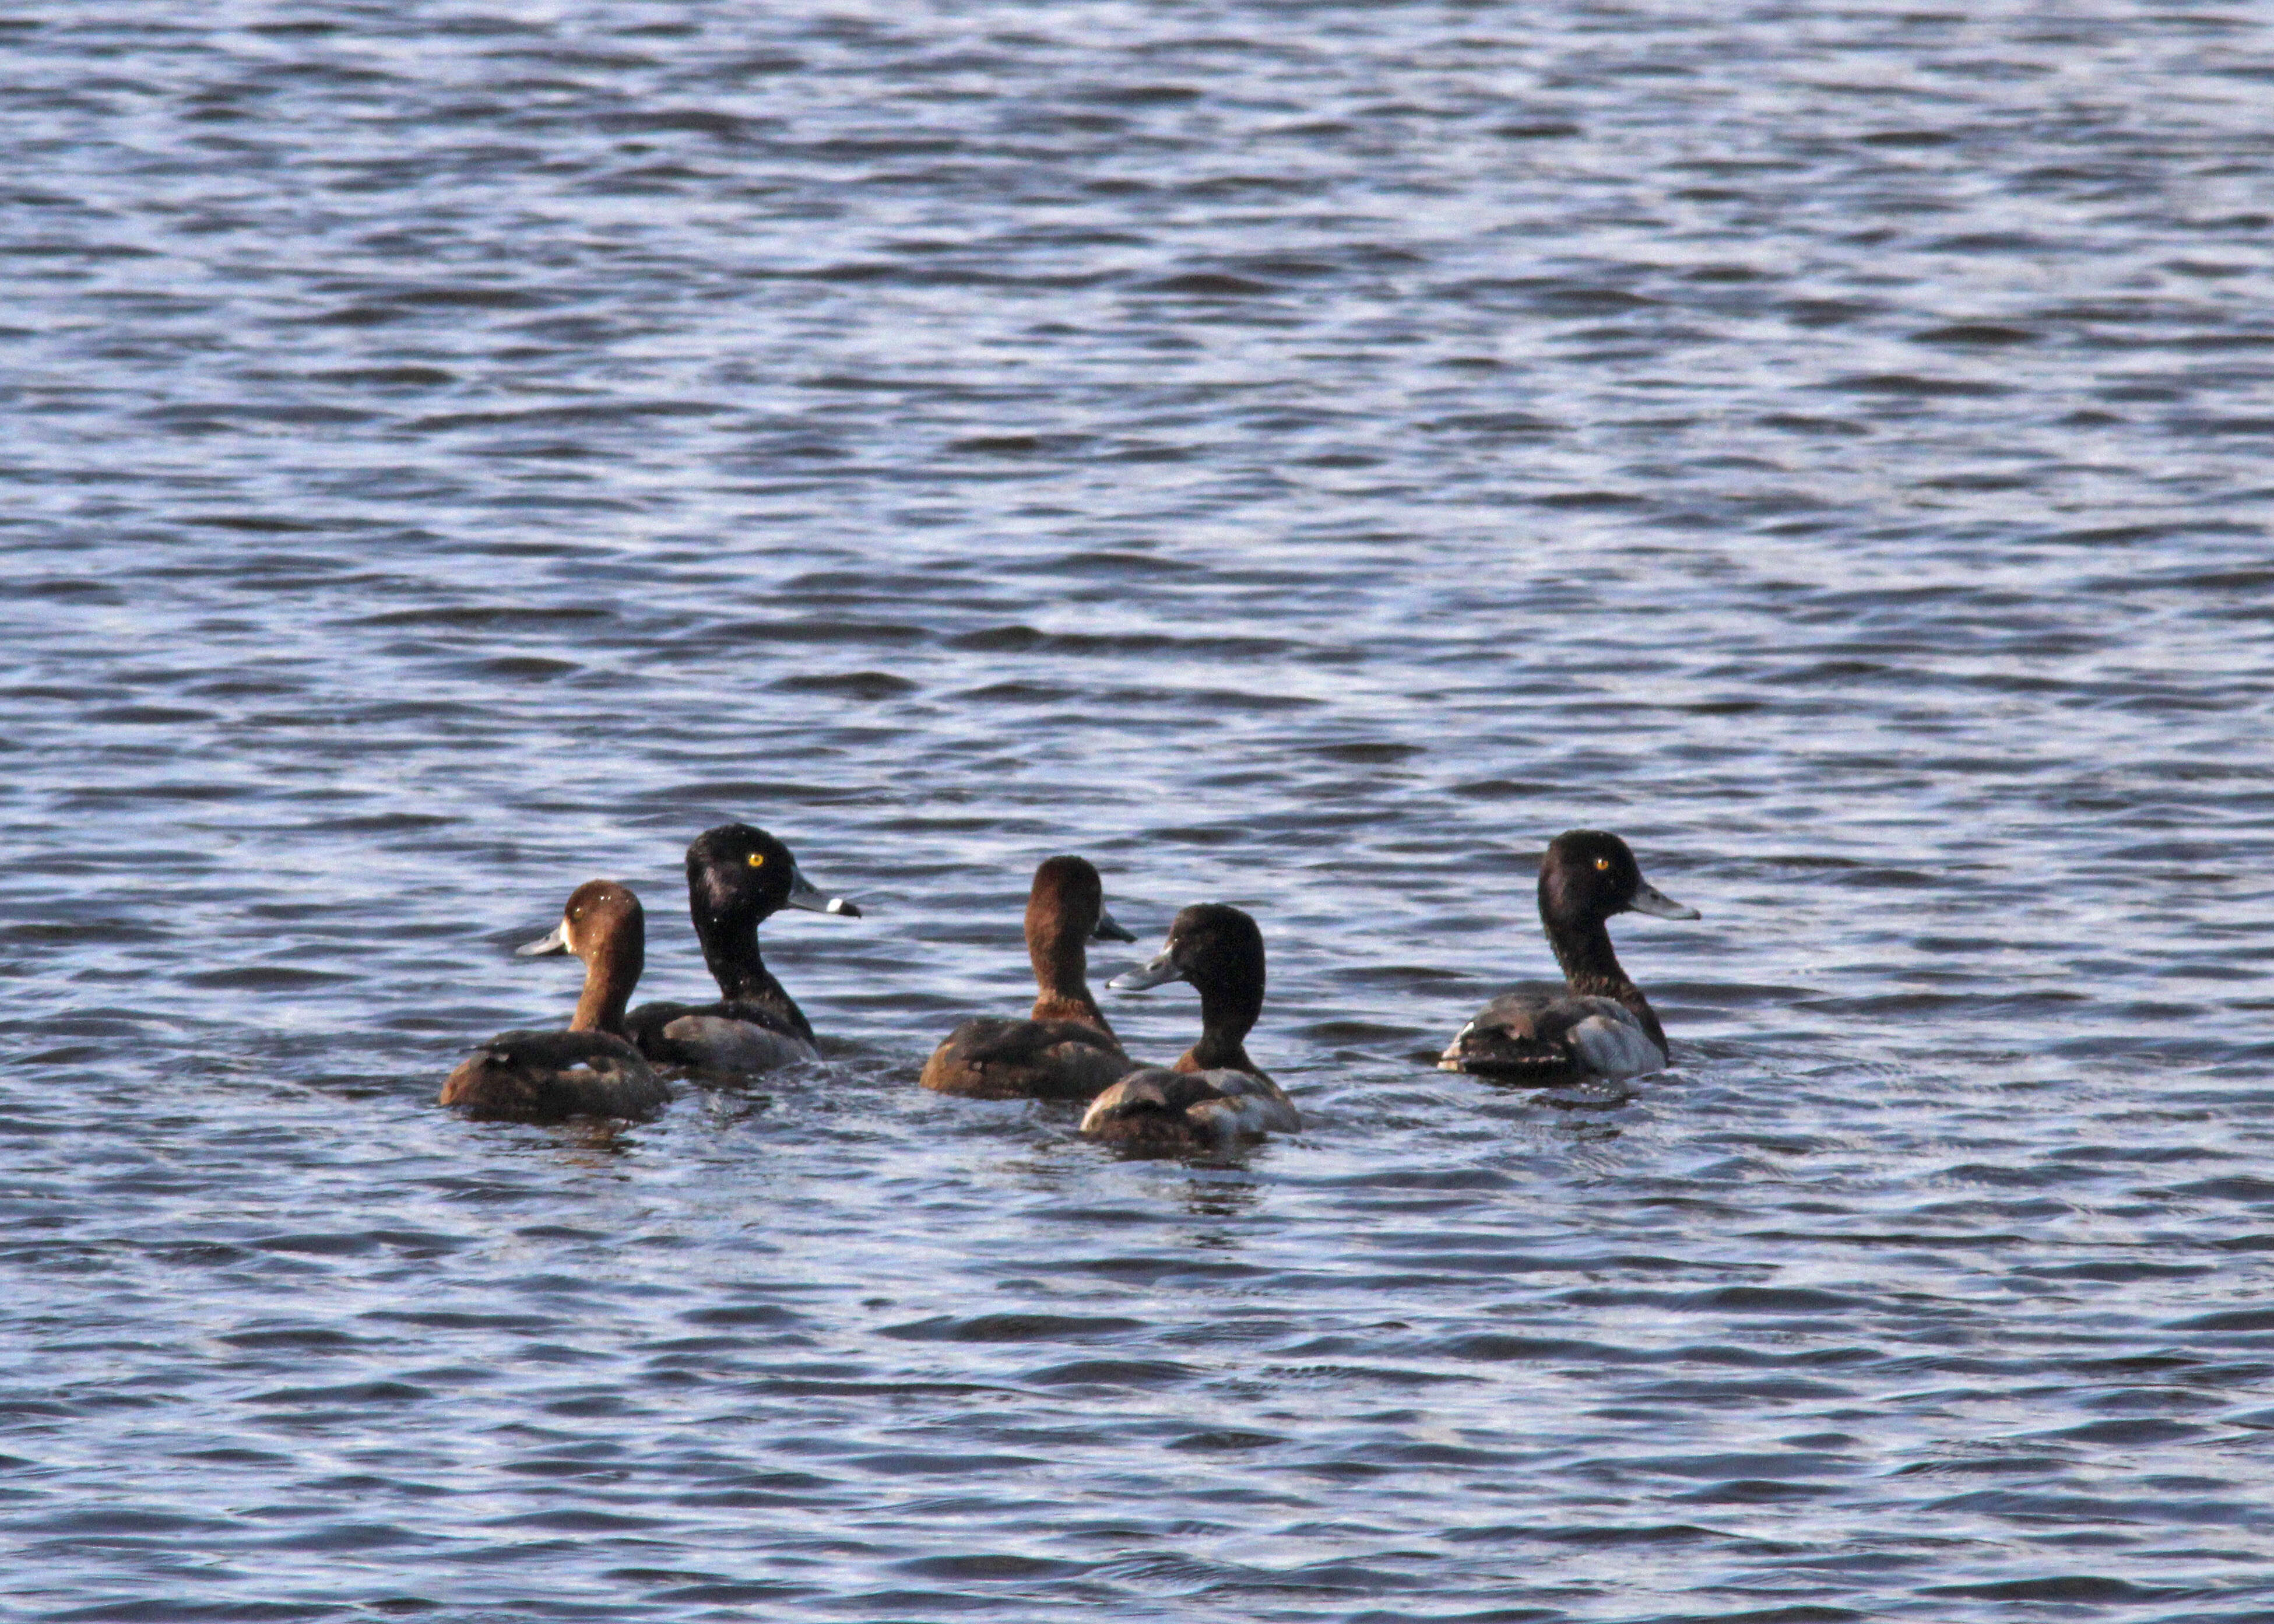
(1603, 865)
(757, 859)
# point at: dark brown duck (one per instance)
(1214, 1096)
(591, 1070)
(1064, 1049)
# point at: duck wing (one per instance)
(1190, 1110)
(733, 1034)
(552, 1076)
(991, 1058)
(1549, 1037)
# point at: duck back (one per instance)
(545, 1077)
(1551, 1036)
(729, 1036)
(1178, 1112)
(988, 1057)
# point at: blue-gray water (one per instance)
(1300, 456)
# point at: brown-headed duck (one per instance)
(737, 876)
(1064, 1049)
(1598, 1024)
(1215, 1094)
(591, 1070)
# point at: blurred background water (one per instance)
(1302, 456)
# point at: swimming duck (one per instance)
(1215, 1093)
(1598, 1024)
(1064, 1049)
(591, 1070)
(737, 876)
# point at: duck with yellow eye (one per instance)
(737, 878)
(591, 1070)
(1598, 1024)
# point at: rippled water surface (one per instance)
(1296, 456)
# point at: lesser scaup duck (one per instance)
(591, 1070)
(1214, 1094)
(1064, 1050)
(736, 877)
(1598, 1024)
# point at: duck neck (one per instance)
(1593, 971)
(1227, 1016)
(730, 948)
(609, 974)
(1061, 974)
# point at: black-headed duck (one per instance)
(1214, 1094)
(591, 1070)
(1598, 1024)
(737, 876)
(1064, 1049)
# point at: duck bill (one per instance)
(1161, 969)
(1108, 929)
(803, 893)
(1649, 900)
(555, 942)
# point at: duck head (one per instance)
(1219, 950)
(603, 924)
(600, 913)
(1068, 901)
(1211, 944)
(735, 872)
(1587, 877)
